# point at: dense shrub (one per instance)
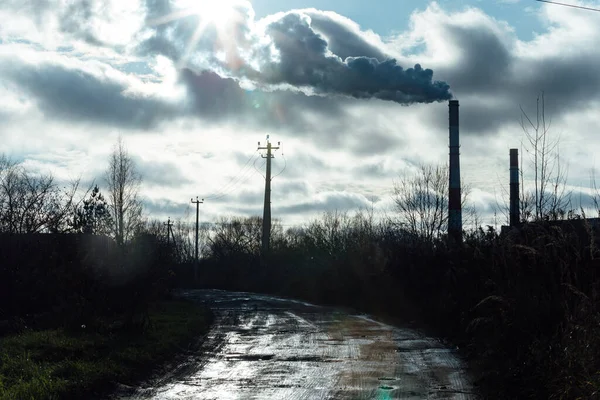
(75, 279)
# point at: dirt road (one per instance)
(262, 347)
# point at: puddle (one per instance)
(249, 357)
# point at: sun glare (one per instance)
(216, 12)
(222, 15)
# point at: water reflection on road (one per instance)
(262, 347)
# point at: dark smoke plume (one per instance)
(304, 60)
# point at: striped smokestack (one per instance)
(454, 209)
(514, 187)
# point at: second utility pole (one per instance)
(197, 202)
(168, 225)
(266, 230)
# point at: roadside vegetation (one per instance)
(85, 286)
(67, 364)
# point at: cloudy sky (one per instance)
(356, 91)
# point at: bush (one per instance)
(65, 280)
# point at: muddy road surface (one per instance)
(263, 347)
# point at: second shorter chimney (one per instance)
(514, 188)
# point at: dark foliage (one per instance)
(74, 280)
(524, 307)
(92, 216)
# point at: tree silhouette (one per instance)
(93, 216)
(123, 182)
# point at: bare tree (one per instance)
(235, 235)
(422, 202)
(123, 187)
(550, 198)
(31, 203)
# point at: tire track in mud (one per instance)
(261, 347)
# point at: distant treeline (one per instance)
(524, 307)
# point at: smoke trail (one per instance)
(302, 59)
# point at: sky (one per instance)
(355, 91)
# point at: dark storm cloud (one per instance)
(341, 201)
(164, 174)
(491, 79)
(248, 197)
(477, 117)
(299, 163)
(255, 198)
(220, 99)
(164, 207)
(373, 169)
(251, 203)
(214, 96)
(72, 93)
(375, 141)
(303, 62)
(485, 59)
(290, 188)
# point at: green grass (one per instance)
(55, 364)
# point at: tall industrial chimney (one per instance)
(454, 208)
(514, 211)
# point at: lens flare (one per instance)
(222, 15)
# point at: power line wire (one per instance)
(234, 180)
(284, 166)
(569, 5)
(222, 188)
(242, 178)
(257, 170)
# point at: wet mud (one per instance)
(262, 347)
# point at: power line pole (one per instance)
(266, 231)
(197, 203)
(168, 224)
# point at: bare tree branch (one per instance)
(123, 182)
